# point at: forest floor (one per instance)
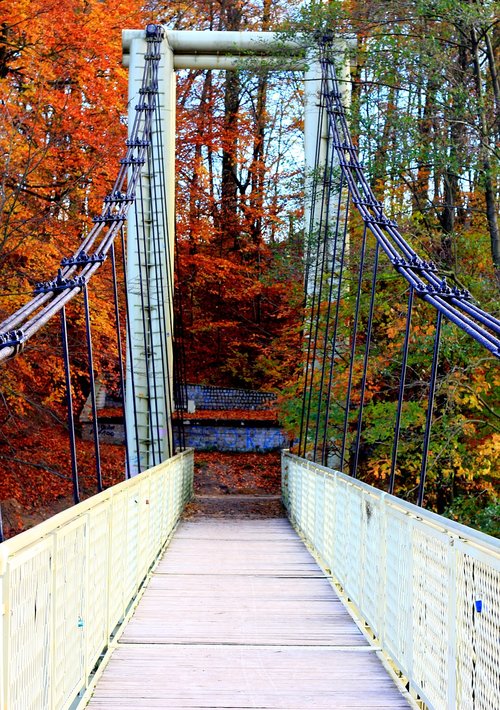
(236, 485)
(221, 473)
(35, 473)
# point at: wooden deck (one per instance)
(239, 615)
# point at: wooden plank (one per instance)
(238, 615)
(250, 677)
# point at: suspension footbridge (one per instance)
(373, 601)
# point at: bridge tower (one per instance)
(151, 225)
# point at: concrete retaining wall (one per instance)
(211, 434)
(245, 437)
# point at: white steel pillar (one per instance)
(315, 152)
(150, 245)
(161, 257)
(136, 412)
(316, 149)
(168, 94)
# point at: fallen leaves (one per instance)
(237, 473)
(35, 471)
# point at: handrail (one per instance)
(428, 588)
(67, 583)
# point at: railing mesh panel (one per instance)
(329, 521)
(96, 617)
(431, 573)
(478, 632)
(130, 576)
(428, 588)
(117, 565)
(371, 559)
(68, 582)
(396, 600)
(69, 612)
(354, 557)
(28, 598)
(319, 518)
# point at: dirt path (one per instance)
(236, 485)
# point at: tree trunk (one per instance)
(489, 187)
(231, 16)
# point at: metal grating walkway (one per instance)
(239, 615)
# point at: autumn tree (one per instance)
(238, 193)
(63, 98)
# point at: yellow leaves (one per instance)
(380, 469)
(469, 428)
(469, 398)
(489, 451)
(480, 462)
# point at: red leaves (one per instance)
(35, 470)
(244, 474)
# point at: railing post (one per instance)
(52, 658)
(285, 462)
(4, 625)
(382, 568)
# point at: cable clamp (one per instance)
(400, 261)
(449, 292)
(348, 164)
(153, 89)
(132, 161)
(137, 142)
(381, 220)
(154, 33)
(13, 339)
(423, 265)
(423, 289)
(373, 204)
(415, 263)
(119, 197)
(462, 294)
(324, 36)
(83, 259)
(107, 218)
(59, 284)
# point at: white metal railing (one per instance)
(67, 583)
(428, 588)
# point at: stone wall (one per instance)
(207, 397)
(246, 436)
